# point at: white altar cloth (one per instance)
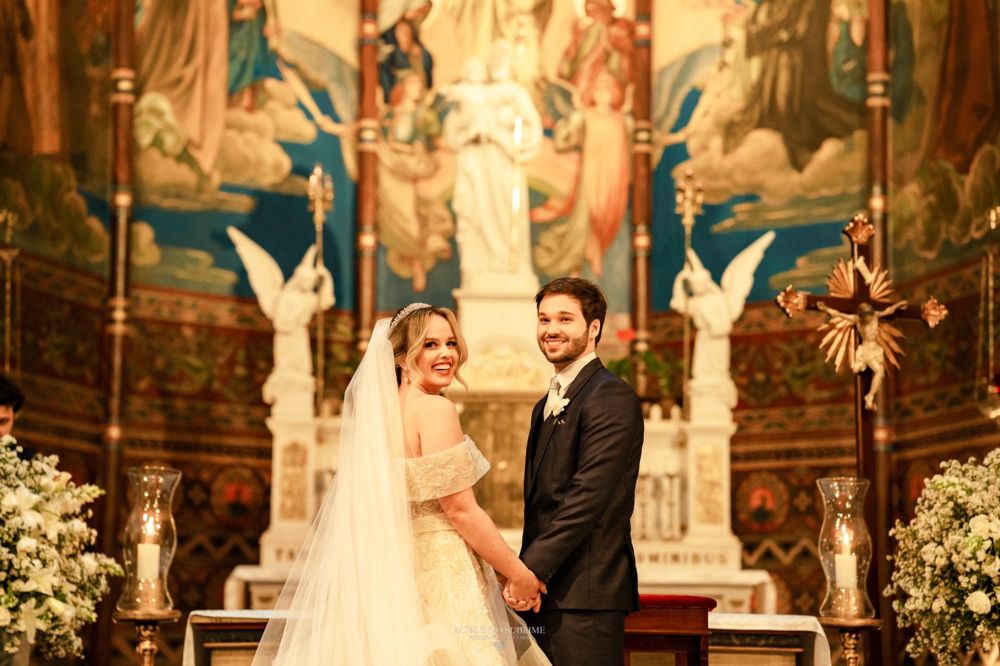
(817, 651)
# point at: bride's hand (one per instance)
(524, 592)
(520, 604)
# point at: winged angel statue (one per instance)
(290, 306)
(713, 308)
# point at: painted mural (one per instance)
(548, 83)
(763, 103)
(946, 168)
(54, 134)
(227, 130)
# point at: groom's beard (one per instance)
(574, 349)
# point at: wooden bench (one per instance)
(673, 624)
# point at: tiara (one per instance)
(412, 307)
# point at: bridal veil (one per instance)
(351, 597)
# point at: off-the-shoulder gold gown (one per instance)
(459, 590)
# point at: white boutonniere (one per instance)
(560, 405)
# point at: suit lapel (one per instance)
(549, 425)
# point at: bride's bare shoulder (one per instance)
(436, 420)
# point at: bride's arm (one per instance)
(439, 429)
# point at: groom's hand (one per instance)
(524, 594)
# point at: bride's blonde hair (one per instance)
(407, 338)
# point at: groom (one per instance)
(579, 485)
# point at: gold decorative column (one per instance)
(368, 128)
(115, 326)
(11, 293)
(642, 197)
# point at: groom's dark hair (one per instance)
(593, 304)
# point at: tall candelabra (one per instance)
(690, 197)
(320, 193)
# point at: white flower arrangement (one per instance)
(947, 565)
(49, 585)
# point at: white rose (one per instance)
(89, 563)
(26, 545)
(980, 526)
(978, 602)
(5, 616)
(993, 568)
(938, 605)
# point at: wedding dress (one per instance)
(458, 589)
(383, 577)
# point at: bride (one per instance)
(400, 565)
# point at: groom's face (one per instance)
(563, 333)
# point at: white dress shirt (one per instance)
(569, 373)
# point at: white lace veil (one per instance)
(351, 597)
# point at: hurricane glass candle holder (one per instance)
(150, 540)
(845, 548)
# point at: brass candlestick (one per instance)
(147, 627)
(850, 635)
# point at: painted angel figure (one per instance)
(289, 305)
(714, 308)
(870, 354)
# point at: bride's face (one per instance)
(438, 360)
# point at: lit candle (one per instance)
(148, 553)
(845, 565)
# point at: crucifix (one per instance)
(858, 306)
(320, 192)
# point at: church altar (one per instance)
(681, 525)
(682, 533)
(230, 637)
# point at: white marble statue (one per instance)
(494, 132)
(714, 308)
(290, 306)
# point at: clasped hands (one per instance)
(524, 592)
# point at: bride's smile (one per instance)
(439, 357)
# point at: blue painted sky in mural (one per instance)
(715, 249)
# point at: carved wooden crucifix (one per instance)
(858, 305)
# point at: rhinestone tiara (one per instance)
(405, 311)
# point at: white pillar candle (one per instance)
(845, 563)
(148, 561)
(845, 570)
